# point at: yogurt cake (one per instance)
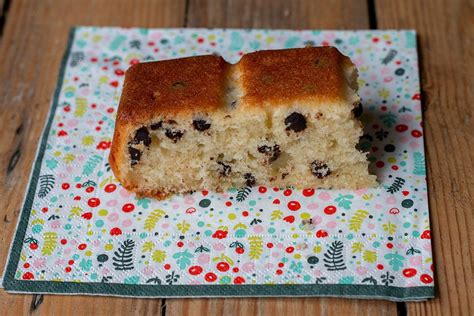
(276, 118)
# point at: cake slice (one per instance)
(276, 118)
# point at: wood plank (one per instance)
(294, 15)
(34, 40)
(445, 34)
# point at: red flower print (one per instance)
(195, 270)
(220, 234)
(410, 272)
(426, 278)
(210, 277)
(115, 231)
(239, 280)
(222, 266)
(104, 145)
(28, 276)
(321, 233)
(426, 235)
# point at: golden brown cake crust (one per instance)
(289, 75)
(174, 87)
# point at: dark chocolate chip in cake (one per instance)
(249, 179)
(272, 152)
(135, 155)
(233, 104)
(142, 136)
(284, 175)
(156, 126)
(320, 169)
(295, 122)
(357, 111)
(224, 169)
(174, 134)
(201, 125)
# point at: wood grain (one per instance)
(445, 35)
(33, 42)
(278, 14)
(295, 14)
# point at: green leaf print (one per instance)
(148, 246)
(389, 119)
(395, 260)
(355, 222)
(276, 214)
(242, 194)
(81, 107)
(183, 227)
(50, 241)
(117, 41)
(334, 257)
(420, 166)
(158, 256)
(85, 265)
(51, 163)
(390, 228)
(46, 184)
(256, 247)
(236, 41)
(369, 256)
(344, 201)
(152, 219)
(346, 280)
(357, 247)
(396, 186)
(132, 280)
(370, 279)
(123, 257)
(143, 202)
(183, 259)
(296, 267)
(75, 211)
(91, 164)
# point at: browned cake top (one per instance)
(182, 85)
(289, 75)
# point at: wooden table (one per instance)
(34, 35)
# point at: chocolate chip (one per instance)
(249, 179)
(135, 155)
(201, 125)
(295, 122)
(357, 111)
(174, 134)
(320, 169)
(142, 136)
(224, 169)
(264, 149)
(233, 104)
(284, 175)
(156, 126)
(272, 152)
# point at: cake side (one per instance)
(241, 133)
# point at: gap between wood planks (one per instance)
(4, 6)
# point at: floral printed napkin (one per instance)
(81, 232)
